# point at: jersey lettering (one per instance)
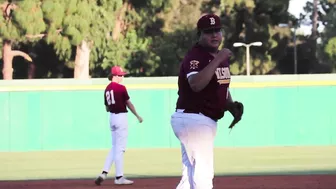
(110, 97)
(223, 75)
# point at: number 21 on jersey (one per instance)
(110, 97)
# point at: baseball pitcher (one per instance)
(203, 97)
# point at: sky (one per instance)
(295, 8)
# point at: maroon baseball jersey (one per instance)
(115, 97)
(211, 101)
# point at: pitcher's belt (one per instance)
(193, 112)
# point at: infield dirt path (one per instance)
(228, 182)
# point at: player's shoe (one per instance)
(123, 181)
(100, 179)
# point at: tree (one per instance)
(328, 18)
(137, 25)
(168, 28)
(21, 21)
(85, 24)
(251, 21)
(322, 12)
(150, 37)
(172, 26)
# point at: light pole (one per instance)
(238, 44)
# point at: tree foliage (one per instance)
(69, 22)
(328, 18)
(19, 23)
(150, 37)
(25, 21)
(326, 15)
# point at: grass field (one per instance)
(166, 162)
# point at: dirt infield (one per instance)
(229, 182)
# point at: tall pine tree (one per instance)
(21, 22)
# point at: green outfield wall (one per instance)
(67, 114)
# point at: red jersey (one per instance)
(211, 101)
(115, 97)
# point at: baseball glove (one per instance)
(237, 110)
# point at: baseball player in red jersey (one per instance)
(203, 97)
(117, 101)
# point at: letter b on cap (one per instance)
(212, 21)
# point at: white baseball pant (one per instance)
(196, 134)
(119, 132)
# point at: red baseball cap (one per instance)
(209, 21)
(117, 70)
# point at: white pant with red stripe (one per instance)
(196, 133)
(119, 133)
